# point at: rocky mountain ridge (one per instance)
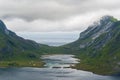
(98, 46)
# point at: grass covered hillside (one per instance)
(16, 51)
(99, 47)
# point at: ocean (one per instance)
(51, 38)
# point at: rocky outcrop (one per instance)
(101, 27)
(99, 46)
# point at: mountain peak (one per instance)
(108, 18)
(99, 27)
(3, 27)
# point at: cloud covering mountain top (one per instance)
(55, 15)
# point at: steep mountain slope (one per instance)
(94, 31)
(15, 48)
(99, 47)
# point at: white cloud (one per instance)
(73, 23)
(55, 15)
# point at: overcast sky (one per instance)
(55, 15)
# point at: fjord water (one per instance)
(56, 68)
(51, 38)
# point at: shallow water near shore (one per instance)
(57, 67)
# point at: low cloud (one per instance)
(55, 15)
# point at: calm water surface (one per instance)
(56, 68)
(51, 38)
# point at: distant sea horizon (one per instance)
(51, 38)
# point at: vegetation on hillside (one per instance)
(98, 48)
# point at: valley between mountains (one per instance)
(98, 48)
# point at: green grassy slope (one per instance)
(99, 54)
(16, 51)
(102, 54)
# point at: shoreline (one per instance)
(41, 63)
(7, 64)
(72, 67)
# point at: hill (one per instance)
(98, 47)
(17, 51)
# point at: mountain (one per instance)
(14, 48)
(98, 47)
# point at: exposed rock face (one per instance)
(2, 25)
(100, 42)
(3, 28)
(101, 27)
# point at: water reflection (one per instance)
(49, 73)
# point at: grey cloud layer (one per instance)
(52, 9)
(55, 14)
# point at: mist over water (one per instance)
(51, 38)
